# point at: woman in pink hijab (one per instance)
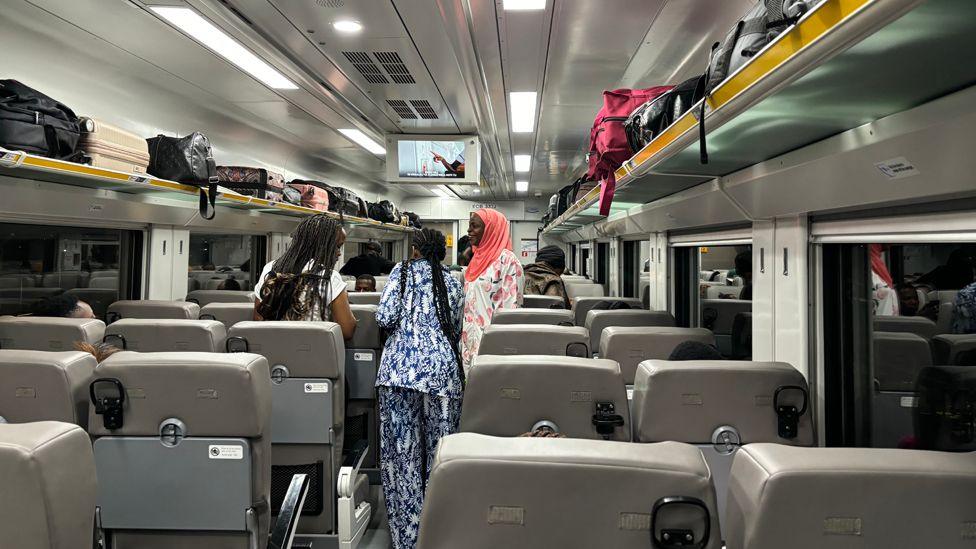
(492, 281)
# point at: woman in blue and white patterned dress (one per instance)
(420, 381)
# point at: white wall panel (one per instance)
(763, 290)
(180, 261)
(159, 277)
(791, 297)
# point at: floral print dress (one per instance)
(499, 287)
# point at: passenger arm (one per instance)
(388, 311)
(342, 315)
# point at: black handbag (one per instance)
(383, 212)
(34, 123)
(187, 160)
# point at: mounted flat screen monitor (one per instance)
(446, 159)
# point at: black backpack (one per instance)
(34, 123)
(383, 211)
(609, 305)
(188, 160)
(414, 220)
(653, 117)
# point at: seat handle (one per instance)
(789, 416)
(675, 537)
(109, 407)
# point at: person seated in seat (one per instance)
(63, 306)
(743, 269)
(100, 351)
(542, 432)
(544, 277)
(230, 284)
(908, 303)
(369, 262)
(365, 283)
(695, 350)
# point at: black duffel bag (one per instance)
(414, 220)
(383, 212)
(34, 123)
(187, 160)
(655, 116)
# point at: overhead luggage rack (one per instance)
(24, 165)
(845, 64)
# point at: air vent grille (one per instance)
(424, 109)
(394, 66)
(361, 61)
(403, 110)
(330, 3)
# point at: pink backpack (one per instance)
(313, 197)
(609, 147)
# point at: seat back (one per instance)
(943, 324)
(535, 339)
(583, 289)
(853, 497)
(528, 493)
(40, 333)
(943, 417)
(104, 282)
(583, 305)
(364, 298)
(542, 301)
(954, 349)
(206, 297)
(918, 325)
(719, 314)
(362, 363)
(49, 486)
(227, 313)
(154, 336)
(509, 395)
(630, 346)
(45, 386)
(152, 308)
(898, 357)
(596, 321)
(533, 316)
(716, 292)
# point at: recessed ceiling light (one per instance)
(523, 162)
(217, 40)
(362, 140)
(523, 5)
(522, 106)
(476, 191)
(346, 25)
(521, 186)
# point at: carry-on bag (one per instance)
(383, 211)
(110, 147)
(34, 123)
(188, 160)
(584, 186)
(608, 139)
(414, 220)
(655, 116)
(341, 201)
(257, 182)
(311, 196)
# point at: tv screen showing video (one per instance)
(431, 159)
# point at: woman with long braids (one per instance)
(303, 284)
(420, 380)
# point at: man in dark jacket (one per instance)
(544, 277)
(370, 262)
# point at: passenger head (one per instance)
(64, 306)
(542, 432)
(230, 284)
(365, 283)
(373, 248)
(743, 265)
(552, 256)
(490, 235)
(208, 267)
(303, 271)
(695, 350)
(907, 300)
(100, 351)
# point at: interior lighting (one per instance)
(362, 140)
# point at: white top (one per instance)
(336, 284)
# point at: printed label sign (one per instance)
(316, 387)
(362, 357)
(221, 451)
(138, 179)
(897, 168)
(9, 159)
(909, 402)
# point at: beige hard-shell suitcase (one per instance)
(112, 147)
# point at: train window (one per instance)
(631, 267)
(573, 267)
(900, 345)
(39, 262)
(602, 274)
(584, 267)
(225, 261)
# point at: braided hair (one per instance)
(298, 282)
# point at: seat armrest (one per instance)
(353, 516)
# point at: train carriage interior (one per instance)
(755, 222)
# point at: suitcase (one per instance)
(312, 196)
(110, 147)
(257, 182)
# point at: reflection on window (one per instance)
(38, 264)
(221, 262)
(725, 291)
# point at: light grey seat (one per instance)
(943, 324)
(104, 282)
(60, 280)
(942, 296)
(49, 486)
(364, 298)
(510, 395)
(102, 274)
(152, 308)
(99, 298)
(192, 284)
(31, 294)
(868, 498)
(718, 315)
(206, 297)
(533, 316)
(227, 313)
(596, 321)
(39, 333)
(190, 466)
(583, 305)
(947, 348)
(906, 324)
(542, 301)
(583, 289)
(45, 386)
(630, 346)
(531, 493)
(716, 292)
(362, 362)
(163, 335)
(535, 339)
(898, 359)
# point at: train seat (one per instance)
(364, 298)
(898, 359)
(869, 498)
(227, 313)
(535, 339)
(162, 335)
(597, 320)
(954, 349)
(104, 282)
(716, 292)
(558, 317)
(98, 298)
(718, 315)
(152, 308)
(584, 305)
(906, 324)
(630, 346)
(40, 333)
(526, 493)
(106, 273)
(381, 282)
(64, 281)
(185, 459)
(362, 363)
(578, 397)
(206, 297)
(943, 417)
(542, 302)
(192, 284)
(13, 281)
(45, 386)
(943, 323)
(584, 289)
(942, 296)
(49, 486)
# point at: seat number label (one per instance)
(316, 387)
(362, 357)
(223, 451)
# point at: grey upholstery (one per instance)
(906, 324)
(205, 297)
(535, 339)
(724, 313)
(583, 289)
(150, 308)
(49, 486)
(898, 357)
(944, 323)
(583, 305)
(364, 298)
(946, 348)
(716, 292)
(596, 321)
(533, 316)
(532, 493)
(942, 296)
(307, 349)
(508, 395)
(630, 346)
(40, 333)
(825, 498)
(542, 301)
(45, 386)
(367, 335)
(151, 336)
(104, 282)
(227, 313)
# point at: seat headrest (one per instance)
(898, 357)
(161, 335)
(205, 297)
(948, 348)
(214, 394)
(508, 395)
(584, 289)
(718, 315)
(943, 415)
(367, 334)
(631, 345)
(688, 401)
(227, 313)
(526, 493)
(364, 298)
(907, 324)
(49, 486)
(597, 320)
(45, 386)
(541, 301)
(307, 349)
(535, 339)
(854, 497)
(153, 308)
(533, 316)
(42, 333)
(583, 305)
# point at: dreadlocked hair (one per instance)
(298, 282)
